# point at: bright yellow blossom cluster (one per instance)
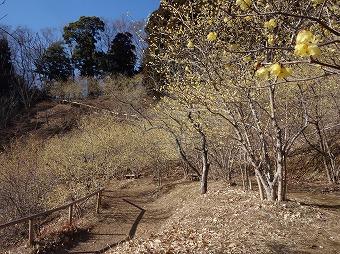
(262, 73)
(212, 36)
(248, 18)
(270, 24)
(244, 4)
(274, 70)
(190, 44)
(306, 44)
(271, 40)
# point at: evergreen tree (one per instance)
(6, 69)
(83, 35)
(121, 56)
(55, 63)
(8, 96)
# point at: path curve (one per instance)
(127, 211)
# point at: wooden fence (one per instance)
(68, 206)
(102, 110)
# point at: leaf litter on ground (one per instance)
(230, 220)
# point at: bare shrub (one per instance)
(23, 185)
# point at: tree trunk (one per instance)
(280, 188)
(284, 178)
(270, 192)
(279, 173)
(248, 179)
(260, 187)
(326, 154)
(244, 182)
(184, 157)
(265, 185)
(279, 150)
(204, 179)
(205, 165)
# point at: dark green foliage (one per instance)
(6, 69)
(121, 57)
(83, 35)
(8, 96)
(55, 64)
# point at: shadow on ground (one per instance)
(128, 236)
(284, 249)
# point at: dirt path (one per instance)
(225, 219)
(128, 210)
(137, 209)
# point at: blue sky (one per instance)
(38, 14)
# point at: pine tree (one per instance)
(83, 35)
(121, 56)
(6, 69)
(55, 63)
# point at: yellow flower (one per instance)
(270, 24)
(285, 72)
(271, 40)
(211, 36)
(244, 4)
(275, 69)
(248, 18)
(314, 50)
(301, 49)
(262, 73)
(187, 68)
(247, 59)
(190, 44)
(304, 36)
(210, 22)
(225, 20)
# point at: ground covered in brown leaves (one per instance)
(229, 220)
(139, 217)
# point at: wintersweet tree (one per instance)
(184, 122)
(321, 137)
(241, 61)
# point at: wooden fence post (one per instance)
(99, 201)
(31, 218)
(70, 214)
(30, 232)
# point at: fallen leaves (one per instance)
(229, 220)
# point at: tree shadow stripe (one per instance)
(132, 231)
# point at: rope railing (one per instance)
(70, 205)
(110, 112)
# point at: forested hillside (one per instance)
(245, 92)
